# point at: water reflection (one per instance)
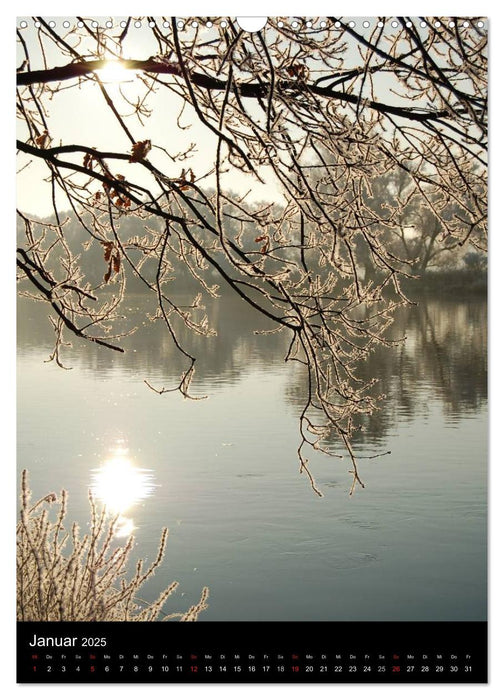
(120, 484)
(150, 351)
(244, 521)
(442, 359)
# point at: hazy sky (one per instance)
(81, 116)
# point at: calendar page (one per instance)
(252, 349)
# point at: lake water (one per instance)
(222, 473)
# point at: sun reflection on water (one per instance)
(120, 484)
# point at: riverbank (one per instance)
(449, 283)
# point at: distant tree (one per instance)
(317, 111)
(419, 233)
(477, 262)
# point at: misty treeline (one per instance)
(372, 140)
(418, 241)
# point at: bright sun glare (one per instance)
(120, 484)
(114, 72)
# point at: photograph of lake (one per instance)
(252, 349)
(221, 473)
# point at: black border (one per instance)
(351, 652)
